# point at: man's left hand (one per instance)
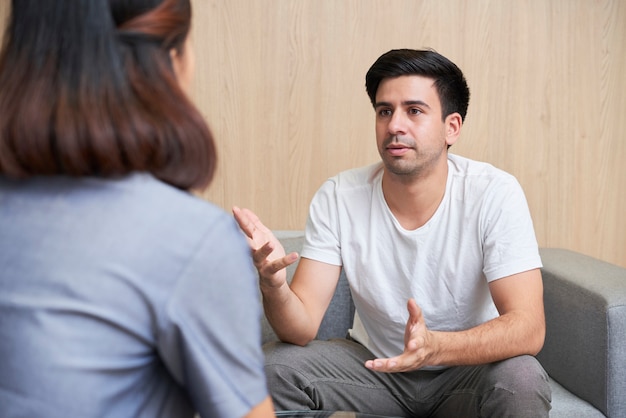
(417, 346)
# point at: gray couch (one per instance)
(585, 347)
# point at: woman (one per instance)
(121, 294)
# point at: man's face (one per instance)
(410, 134)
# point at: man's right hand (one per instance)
(267, 252)
(295, 311)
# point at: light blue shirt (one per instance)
(124, 298)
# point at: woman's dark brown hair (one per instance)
(87, 88)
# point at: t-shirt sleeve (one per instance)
(321, 233)
(211, 342)
(509, 242)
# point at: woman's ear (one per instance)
(453, 125)
(183, 61)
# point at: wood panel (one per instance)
(5, 7)
(281, 83)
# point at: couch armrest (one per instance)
(585, 347)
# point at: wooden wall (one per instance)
(281, 83)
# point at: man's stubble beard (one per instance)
(419, 166)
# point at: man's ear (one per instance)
(453, 125)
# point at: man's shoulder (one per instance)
(463, 167)
(359, 177)
(353, 186)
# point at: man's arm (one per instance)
(294, 311)
(520, 329)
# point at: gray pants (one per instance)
(330, 376)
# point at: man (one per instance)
(442, 262)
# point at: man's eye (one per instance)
(414, 111)
(385, 112)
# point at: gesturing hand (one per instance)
(267, 252)
(417, 346)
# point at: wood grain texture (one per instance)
(281, 83)
(5, 8)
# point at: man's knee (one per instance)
(283, 363)
(520, 388)
(288, 385)
(523, 374)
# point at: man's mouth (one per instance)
(397, 149)
(396, 146)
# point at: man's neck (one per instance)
(414, 200)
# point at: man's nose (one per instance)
(397, 123)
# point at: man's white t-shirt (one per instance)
(482, 231)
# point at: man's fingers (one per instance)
(415, 312)
(413, 357)
(259, 255)
(389, 365)
(248, 221)
(255, 221)
(280, 263)
(244, 222)
(258, 235)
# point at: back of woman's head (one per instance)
(88, 88)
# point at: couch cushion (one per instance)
(567, 405)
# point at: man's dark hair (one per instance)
(449, 80)
(87, 88)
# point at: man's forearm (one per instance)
(509, 335)
(287, 315)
